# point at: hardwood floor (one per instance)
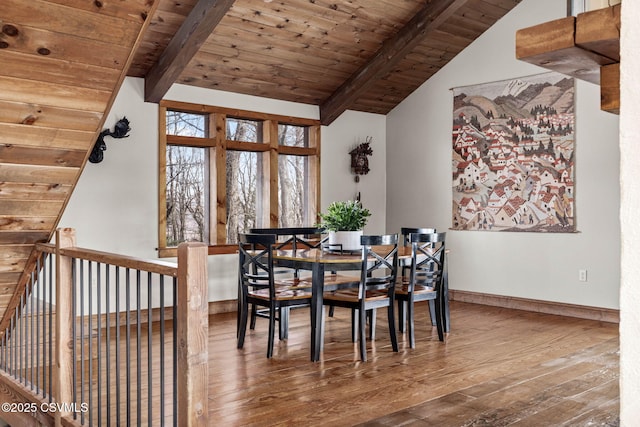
(498, 367)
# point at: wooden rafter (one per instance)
(586, 47)
(428, 19)
(199, 25)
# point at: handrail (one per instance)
(153, 266)
(158, 267)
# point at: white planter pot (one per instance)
(345, 240)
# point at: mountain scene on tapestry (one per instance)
(513, 155)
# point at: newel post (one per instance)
(192, 334)
(65, 237)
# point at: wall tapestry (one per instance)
(513, 155)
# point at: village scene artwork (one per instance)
(513, 155)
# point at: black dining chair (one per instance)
(257, 286)
(426, 280)
(293, 238)
(405, 268)
(375, 289)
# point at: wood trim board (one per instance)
(538, 306)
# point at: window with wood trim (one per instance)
(224, 171)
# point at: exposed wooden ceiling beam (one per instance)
(429, 18)
(195, 30)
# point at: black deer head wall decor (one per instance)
(119, 131)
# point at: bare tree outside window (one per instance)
(186, 182)
(242, 193)
(293, 136)
(242, 178)
(292, 178)
(243, 130)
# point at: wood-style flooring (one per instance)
(498, 367)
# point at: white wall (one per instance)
(114, 207)
(629, 208)
(349, 130)
(528, 265)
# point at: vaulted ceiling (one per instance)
(365, 55)
(63, 62)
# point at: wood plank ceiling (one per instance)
(63, 61)
(365, 55)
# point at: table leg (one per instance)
(317, 286)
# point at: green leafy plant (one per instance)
(346, 215)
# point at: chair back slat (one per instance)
(297, 236)
(256, 261)
(379, 263)
(407, 231)
(427, 260)
(406, 241)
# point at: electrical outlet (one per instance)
(582, 275)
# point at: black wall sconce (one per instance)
(359, 159)
(119, 131)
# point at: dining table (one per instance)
(318, 261)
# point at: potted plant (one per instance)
(345, 220)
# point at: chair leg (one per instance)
(362, 335)
(402, 315)
(331, 310)
(354, 325)
(322, 329)
(272, 330)
(283, 323)
(242, 325)
(392, 327)
(446, 327)
(440, 317)
(238, 314)
(254, 314)
(371, 315)
(410, 323)
(432, 312)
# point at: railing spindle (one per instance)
(39, 309)
(118, 418)
(74, 334)
(138, 349)
(50, 288)
(82, 335)
(128, 344)
(175, 352)
(162, 344)
(108, 342)
(31, 316)
(149, 352)
(90, 341)
(14, 336)
(98, 339)
(20, 339)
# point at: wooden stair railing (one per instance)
(92, 341)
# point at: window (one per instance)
(225, 171)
